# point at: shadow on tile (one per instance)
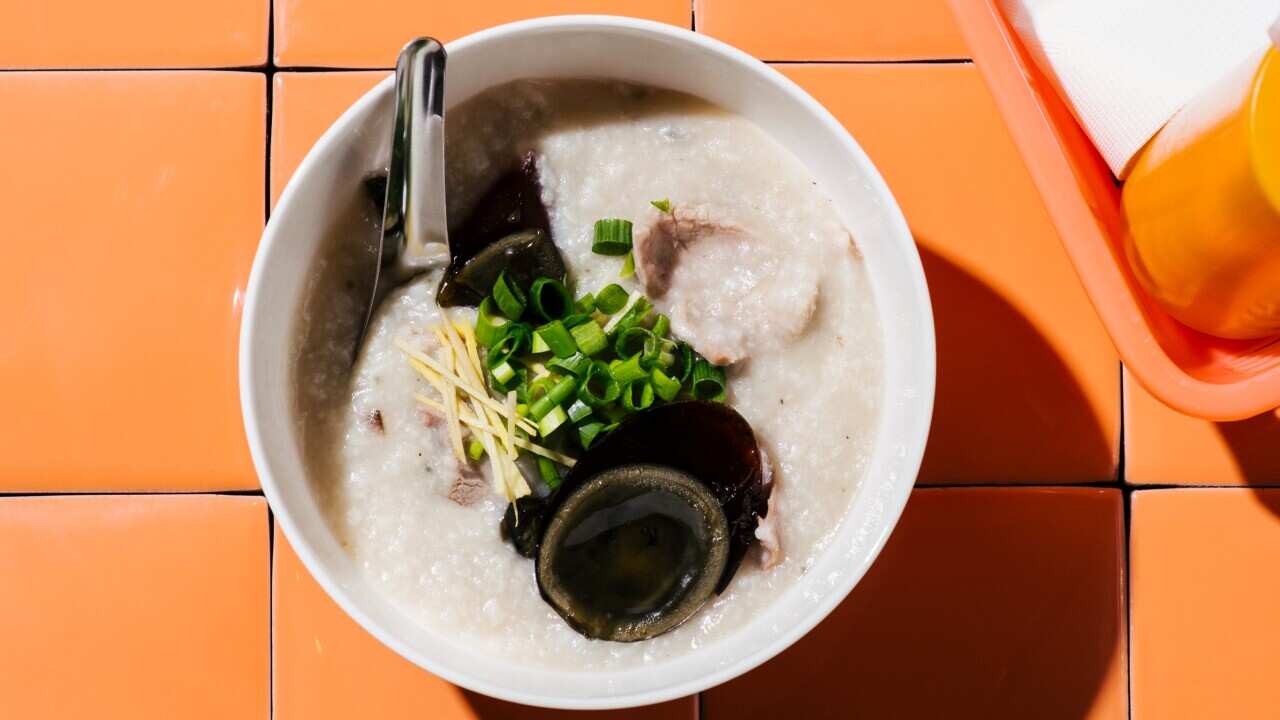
(986, 603)
(1255, 447)
(1008, 410)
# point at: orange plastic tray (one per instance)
(1194, 373)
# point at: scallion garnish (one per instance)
(513, 342)
(589, 338)
(579, 411)
(708, 381)
(552, 421)
(575, 364)
(503, 372)
(576, 319)
(561, 391)
(628, 371)
(585, 304)
(549, 473)
(636, 340)
(663, 205)
(475, 449)
(628, 267)
(598, 387)
(490, 326)
(587, 432)
(557, 339)
(667, 388)
(661, 326)
(550, 299)
(638, 395)
(509, 296)
(612, 237)
(611, 298)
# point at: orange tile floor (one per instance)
(1050, 565)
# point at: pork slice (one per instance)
(469, 487)
(727, 290)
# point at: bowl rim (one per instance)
(893, 500)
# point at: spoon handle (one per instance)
(415, 209)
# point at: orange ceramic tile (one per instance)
(303, 106)
(1028, 382)
(986, 603)
(327, 666)
(1165, 447)
(133, 202)
(132, 33)
(1205, 597)
(139, 607)
(834, 29)
(338, 33)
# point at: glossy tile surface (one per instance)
(132, 33)
(303, 106)
(327, 666)
(134, 607)
(1206, 603)
(834, 29)
(338, 33)
(133, 202)
(986, 603)
(1028, 382)
(1164, 447)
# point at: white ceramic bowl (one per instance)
(644, 52)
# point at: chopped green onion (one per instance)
(666, 387)
(503, 372)
(598, 388)
(585, 304)
(588, 432)
(475, 449)
(513, 342)
(522, 409)
(637, 396)
(708, 381)
(667, 354)
(628, 267)
(551, 421)
(550, 298)
(611, 298)
(663, 205)
(589, 338)
(635, 298)
(549, 473)
(629, 319)
(661, 326)
(579, 411)
(561, 391)
(557, 339)
(575, 364)
(628, 371)
(490, 326)
(509, 296)
(575, 320)
(612, 237)
(538, 345)
(539, 388)
(640, 341)
(683, 354)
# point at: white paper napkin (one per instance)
(1126, 66)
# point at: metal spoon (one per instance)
(415, 232)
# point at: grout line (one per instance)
(47, 493)
(225, 68)
(693, 15)
(1094, 485)
(271, 517)
(1128, 600)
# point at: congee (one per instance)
(633, 408)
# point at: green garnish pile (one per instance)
(578, 366)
